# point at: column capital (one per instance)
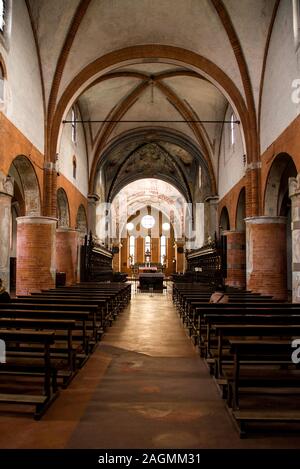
(93, 198)
(294, 186)
(254, 165)
(50, 166)
(6, 185)
(66, 229)
(36, 220)
(212, 199)
(228, 232)
(265, 220)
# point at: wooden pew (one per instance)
(276, 351)
(226, 331)
(13, 368)
(65, 373)
(81, 318)
(28, 303)
(203, 315)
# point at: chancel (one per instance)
(149, 225)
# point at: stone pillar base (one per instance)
(266, 256)
(35, 254)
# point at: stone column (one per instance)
(294, 193)
(36, 249)
(211, 217)
(266, 256)
(236, 258)
(6, 193)
(93, 199)
(67, 253)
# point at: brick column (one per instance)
(6, 192)
(50, 186)
(294, 193)
(236, 258)
(67, 253)
(35, 254)
(266, 255)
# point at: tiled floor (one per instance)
(144, 387)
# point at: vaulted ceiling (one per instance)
(230, 36)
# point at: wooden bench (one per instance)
(68, 371)
(224, 331)
(13, 368)
(81, 318)
(276, 351)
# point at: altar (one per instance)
(148, 270)
(151, 280)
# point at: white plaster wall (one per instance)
(231, 166)
(278, 110)
(23, 91)
(66, 152)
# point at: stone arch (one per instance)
(241, 211)
(224, 220)
(278, 203)
(276, 188)
(81, 220)
(63, 211)
(138, 53)
(26, 185)
(158, 134)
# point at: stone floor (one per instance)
(144, 387)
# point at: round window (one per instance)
(148, 221)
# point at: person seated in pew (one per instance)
(4, 295)
(219, 295)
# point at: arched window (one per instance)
(2, 15)
(296, 22)
(131, 250)
(200, 177)
(2, 78)
(74, 167)
(73, 125)
(147, 248)
(163, 249)
(232, 132)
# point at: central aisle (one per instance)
(156, 392)
(144, 387)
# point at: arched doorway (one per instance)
(278, 202)
(26, 201)
(162, 205)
